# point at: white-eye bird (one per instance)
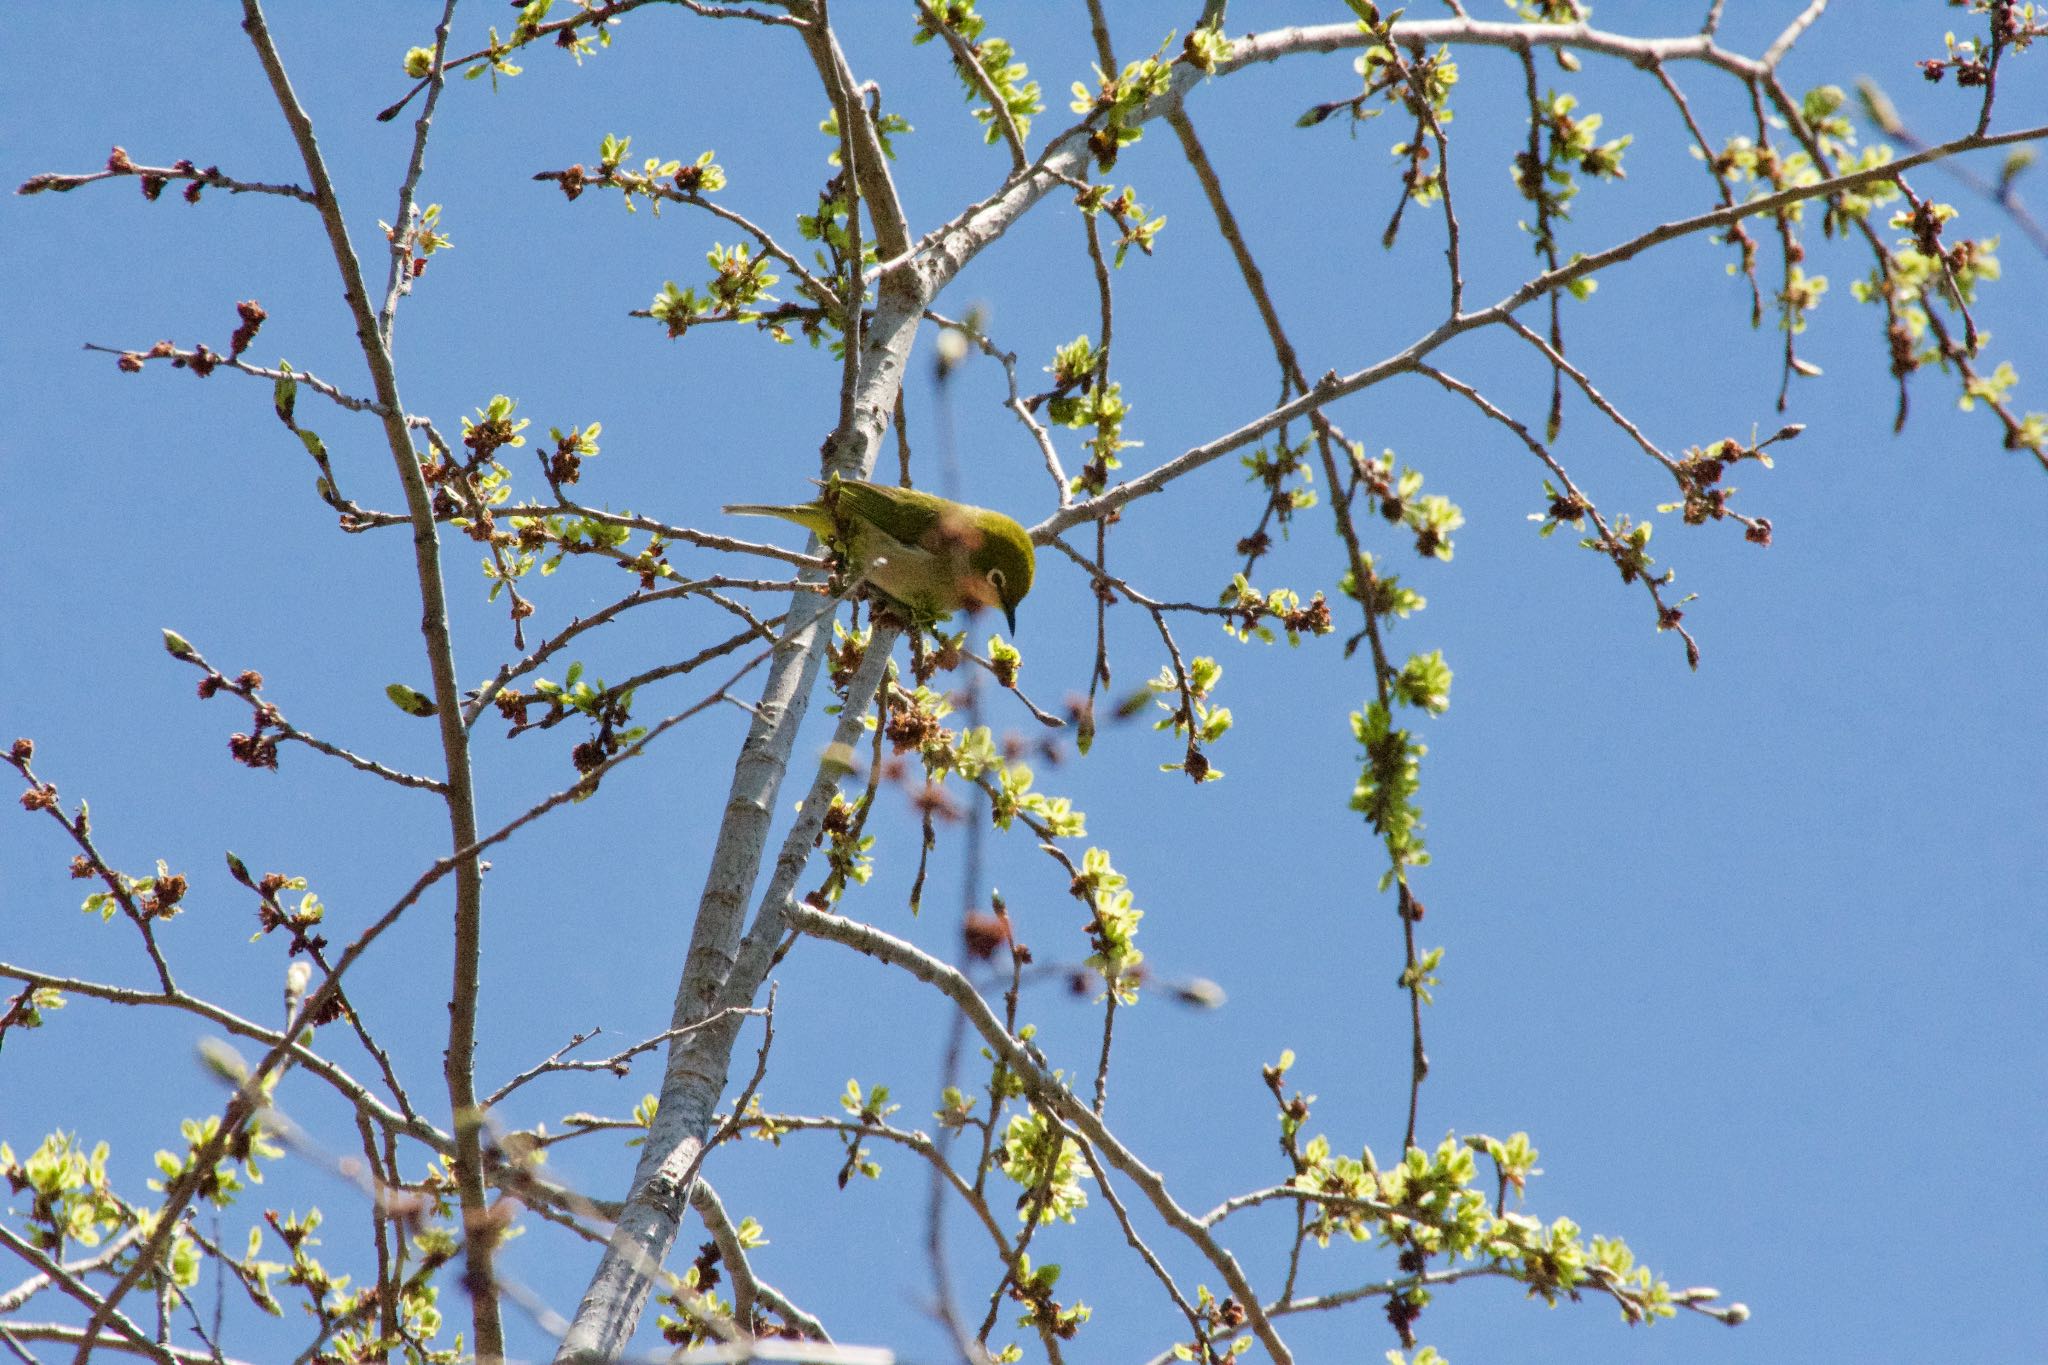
(929, 554)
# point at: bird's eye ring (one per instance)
(995, 578)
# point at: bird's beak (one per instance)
(1010, 615)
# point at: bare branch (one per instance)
(1806, 19)
(116, 1246)
(248, 686)
(101, 1309)
(63, 1334)
(618, 1064)
(154, 178)
(165, 351)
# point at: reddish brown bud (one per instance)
(252, 315)
(254, 751)
(1411, 908)
(162, 901)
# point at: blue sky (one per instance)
(1755, 954)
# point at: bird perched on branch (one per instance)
(930, 555)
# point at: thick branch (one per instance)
(720, 967)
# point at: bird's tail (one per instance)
(808, 515)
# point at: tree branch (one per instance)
(1048, 1091)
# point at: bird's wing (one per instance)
(904, 514)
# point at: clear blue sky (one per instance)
(1756, 955)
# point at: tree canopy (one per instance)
(1536, 520)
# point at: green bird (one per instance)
(929, 554)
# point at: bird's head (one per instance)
(1000, 563)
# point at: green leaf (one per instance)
(284, 394)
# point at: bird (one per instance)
(930, 555)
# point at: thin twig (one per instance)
(166, 351)
(1609, 542)
(1806, 18)
(1559, 363)
(968, 64)
(273, 719)
(405, 222)
(1137, 1243)
(120, 167)
(617, 1064)
(1015, 403)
